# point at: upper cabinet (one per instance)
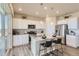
(62, 21)
(19, 24)
(23, 23)
(73, 23)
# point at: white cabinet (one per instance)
(62, 21)
(73, 23)
(34, 47)
(40, 26)
(72, 41)
(19, 24)
(23, 23)
(20, 40)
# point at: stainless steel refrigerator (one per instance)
(62, 30)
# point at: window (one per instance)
(0, 25)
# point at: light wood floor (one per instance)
(26, 51)
(20, 51)
(71, 51)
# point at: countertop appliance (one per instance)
(62, 30)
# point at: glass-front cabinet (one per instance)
(5, 28)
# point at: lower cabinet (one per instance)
(72, 41)
(20, 40)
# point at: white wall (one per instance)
(19, 23)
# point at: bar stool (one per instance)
(46, 45)
(57, 42)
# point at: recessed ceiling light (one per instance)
(20, 9)
(41, 22)
(57, 12)
(51, 23)
(37, 13)
(45, 8)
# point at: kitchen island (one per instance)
(35, 44)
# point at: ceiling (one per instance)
(52, 9)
